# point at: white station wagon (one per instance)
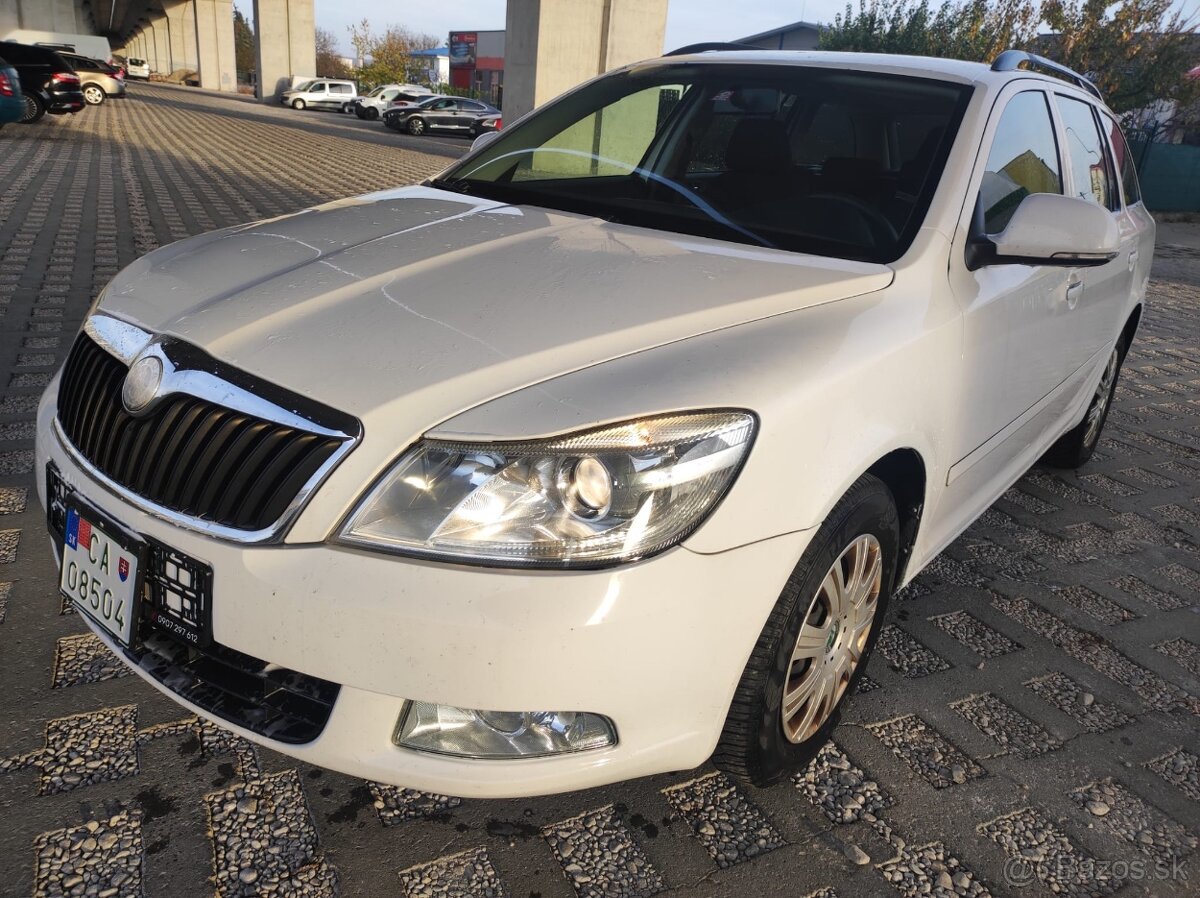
(600, 454)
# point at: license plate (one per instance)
(99, 573)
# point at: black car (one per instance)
(450, 113)
(48, 82)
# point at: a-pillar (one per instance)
(285, 44)
(214, 44)
(552, 45)
(181, 26)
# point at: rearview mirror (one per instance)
(483, 140)
(1049, 229)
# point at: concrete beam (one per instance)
(285, 44)
(62, 16)
(181, 25)
(553, 45)
(214, 44)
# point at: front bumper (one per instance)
(657, 647)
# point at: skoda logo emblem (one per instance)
(142, 383)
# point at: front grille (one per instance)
(188, 454)
(271, 701)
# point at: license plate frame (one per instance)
(118, 619)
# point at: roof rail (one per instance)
(1012, 60)
(707, 46)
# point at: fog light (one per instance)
(500, 734)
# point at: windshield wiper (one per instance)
(455, 185)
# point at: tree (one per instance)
(1137, 51)
(390, 54)
(329, 60)
(243, 44)
(959, 29)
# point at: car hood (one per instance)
(419, 299)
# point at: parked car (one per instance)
(603, 452)
(448, 113)
(48, 83)
(487, 124)
(372, 105)
(12, 104)
(137, 68)
(99, 80)
(323, 93)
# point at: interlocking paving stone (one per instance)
(725, 821)
(1187, 654)
(1098, 654)
(101, 857)
(18, 404)
(1147, 477)
(930, 869)
(394, 804)
(600, 858)
(1029, 502)
(1005, 725)
(1180, 768)
(1042, 851)
(1184, 576)
(840, 788)
(83, 749)
(1124, 814)
(908, 655)
(975, 634)
(1144, 592)
(1089, 602)
(930, 754)
(264, 840)
(84, 659)
(468, 874)
(1073, 700)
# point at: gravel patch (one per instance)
(1180, 768)
(1006, 726)
(394, 804)
(975, 634)
(931, 870)
(100, 857)
(468, 874)
(1144, 592)
(1187, 654)
(840, 788)
(1039, 850)
(84, 749)
(1124, 814)
(84, 659)
(13, 499)
(907, 655)
(600, 858)
(729, 826)
(1092, 603)
(931, 755)
(1073, 700)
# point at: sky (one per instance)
(688, 21)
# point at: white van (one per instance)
(321, 93)
(137, 68)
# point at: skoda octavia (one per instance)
(601, 453)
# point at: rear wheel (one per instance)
(34, 109)
(93, 94)
(298, 104)
(816, 643)
(1076, 446)
(372, 113)
(416, 126)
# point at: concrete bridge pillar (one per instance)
(214, 44)
(181, 27)
(161, 54)
(285, 33)
(552, 45)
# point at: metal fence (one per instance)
(1169, 174)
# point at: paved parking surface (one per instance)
(1029, 727)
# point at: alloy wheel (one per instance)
(416, 126)
(93, 95)
(832, 638)
(1100, 402)
(31, 110)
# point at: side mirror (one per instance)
(1049, 229)
(483, 140)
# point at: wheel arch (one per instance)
(1131, 326)
(903, 472)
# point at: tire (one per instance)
(1076, 446)
(298, 104)
(372, 114)
(93, 94)
(416, 126)
(754, 746)
(360, 112)
(34, 109)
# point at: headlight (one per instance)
(615, 493)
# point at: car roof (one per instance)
(956, 70)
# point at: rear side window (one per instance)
(1126, 168)
(1091, 167)
(341, 88)
(1023, 159)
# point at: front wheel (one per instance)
(93, 94)
(298, 104)
(1076, 446)
(816, 643)
(34, 109)
(372, 114)
(416, 126)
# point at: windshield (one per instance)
(303, 85)
(815, 160)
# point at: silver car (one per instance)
(98, 80)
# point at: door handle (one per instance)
(1074, 291)
(1133, 257)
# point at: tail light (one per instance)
(6, 88)
(499, 123)
(64, 78)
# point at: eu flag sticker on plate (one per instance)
(72, 534)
